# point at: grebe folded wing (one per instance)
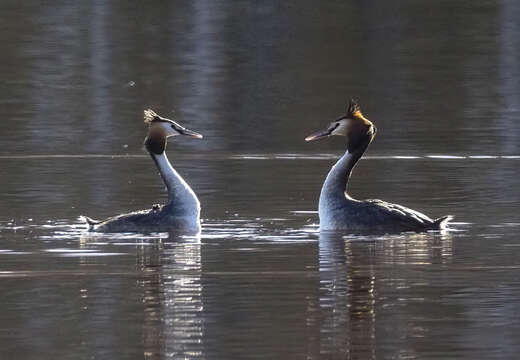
(158, 218)
(384, 212)
(112, 222)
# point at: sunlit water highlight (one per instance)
(275, 156)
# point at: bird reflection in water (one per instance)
(172, 297)
(353, 272)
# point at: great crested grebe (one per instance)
(182, 211)
(338, 211)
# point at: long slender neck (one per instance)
(335, 185)
(180, 193)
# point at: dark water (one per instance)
(439, 80)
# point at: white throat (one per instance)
(334, 191)
(336, 182)
(180, 194)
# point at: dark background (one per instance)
(440, 80)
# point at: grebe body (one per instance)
(181, 213)
(338, 211)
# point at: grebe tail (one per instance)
(181, 213)
(90, 222)
(442, 222)
(337, 210)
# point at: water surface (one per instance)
(438, 80)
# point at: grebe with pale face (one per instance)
(182, 211)
(337, 210)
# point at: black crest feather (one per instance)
(353, 106)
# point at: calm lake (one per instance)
(438, 79)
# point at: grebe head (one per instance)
(352, 125)
(159, 129)
(167, 126)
